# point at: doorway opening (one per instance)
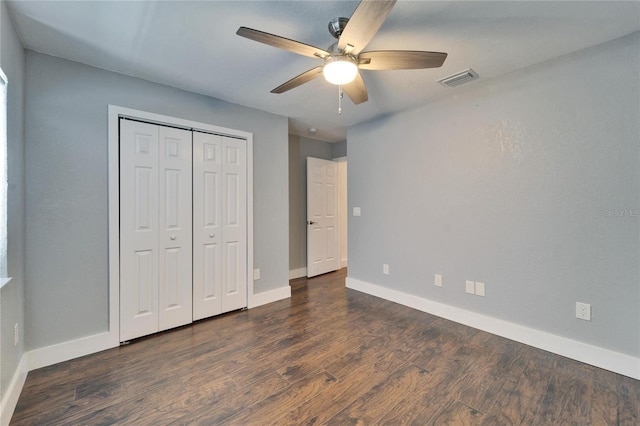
(300, 149)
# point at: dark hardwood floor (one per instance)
(328, 355)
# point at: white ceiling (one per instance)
(193, 46)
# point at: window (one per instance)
(3, 180)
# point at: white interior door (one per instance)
(138, 229)
(322, 217)
(155, 228)
(220, 225)
(207, 228)
(175, 239)
(234, 223)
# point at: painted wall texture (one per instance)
(529, 183)
(339, 149)
(12, 61)
(66, 187)
(299, 149)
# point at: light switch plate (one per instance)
(357, 211)
(437, 280)
(470, 287)
(256, 274)
(385, 269)
(479, 289)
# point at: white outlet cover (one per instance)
(479, 289)
(437, 280)
(256, 274)
(470, 287)
(583, 311)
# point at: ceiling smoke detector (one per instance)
(459, 78)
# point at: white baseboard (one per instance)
(65, 351)
(10, 398)
(270, 296)
(49, 355)
(297, 273)
(589, 354)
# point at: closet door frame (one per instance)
(114, 114)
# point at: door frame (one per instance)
(343, 212)
(114, 114)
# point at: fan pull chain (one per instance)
(340, 95)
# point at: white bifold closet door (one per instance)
(155, 228)
(219, 224)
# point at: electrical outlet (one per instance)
(16, 336)
(437, 280)
(470, 287)
(583, 311)
(385, 269)
(256, 274)
(357, 211)
(479, 289)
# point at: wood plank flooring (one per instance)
(329, 355)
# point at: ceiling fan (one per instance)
(344, 59)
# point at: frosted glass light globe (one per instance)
(340, 70)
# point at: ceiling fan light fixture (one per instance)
(340, 69)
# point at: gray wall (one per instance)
(299, 149)
(528, 183)
(66, 186)
(339, 149)
(13, 64)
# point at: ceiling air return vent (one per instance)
(459, 78)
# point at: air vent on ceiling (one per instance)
(459, 78)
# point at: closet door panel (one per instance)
(175, 241)
(139, 224)
(234, 228)
(207, 229)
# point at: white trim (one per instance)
(270, 296)
(113, 173)
(114, 112)
(297, 273)
(4, 281)
(10, 398)
(343, 211)
(250, 283)
(44, 357)
(60, 352)
(600, 357)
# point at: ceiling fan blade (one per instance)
(363, 24)
(400, 60)
(282, 43)
(299, 80)
(356, 90)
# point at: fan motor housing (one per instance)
(337, 25)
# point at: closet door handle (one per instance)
(173, 237)
(212, 235)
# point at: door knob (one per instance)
(173, 237)
(212, 235)
(312, 222)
